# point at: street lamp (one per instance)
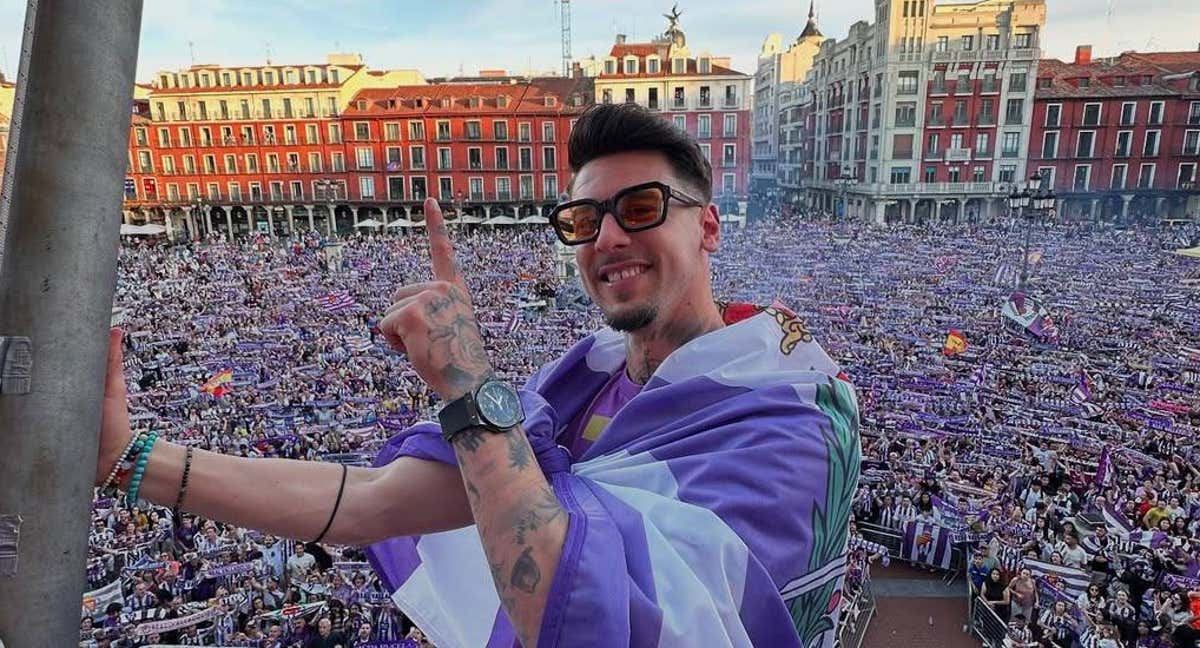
(1030, 205)
(197, 210)
(328, 186)
(845, 179)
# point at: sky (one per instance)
(447, 37)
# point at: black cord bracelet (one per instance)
(336, 504)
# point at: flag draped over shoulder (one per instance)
(712, 511)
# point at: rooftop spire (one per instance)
(810, 29)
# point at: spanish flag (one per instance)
(955, 344)
(216, 384)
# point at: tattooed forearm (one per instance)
(525, 574)
(519, 452)
(520, 521)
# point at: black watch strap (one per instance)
(457, 416)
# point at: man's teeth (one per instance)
(624, 274)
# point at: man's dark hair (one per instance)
(605, 129)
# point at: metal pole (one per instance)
(57, 279)
(1028, 219)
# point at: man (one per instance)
(363, 636)
(327, 638)
(299, 564)
(683, 476)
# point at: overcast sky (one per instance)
(442, 38)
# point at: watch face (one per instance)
(499, 404)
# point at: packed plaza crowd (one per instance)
(1075, 452)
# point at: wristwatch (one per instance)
(495, 406)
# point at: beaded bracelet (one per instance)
(139, 470)
(183, 483)
(112, 474)
(125, 463)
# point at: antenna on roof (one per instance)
(268, 53)
(192, 51)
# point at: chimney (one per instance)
(1083, 54)
(576, 70)
(620, 39)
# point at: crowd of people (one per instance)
(267, 348)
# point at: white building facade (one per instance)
(925, 113)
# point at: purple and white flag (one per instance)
(1070, 580)
(927, 543)
(336, 301)
(712, 511)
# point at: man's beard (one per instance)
(629, 320)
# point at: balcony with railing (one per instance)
(958, 154)
(986, 119)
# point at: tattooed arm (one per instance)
(521, 522)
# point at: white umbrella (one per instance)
(500, 220)
(370, 222)
(400, 222)
(142, 230)
(535, 220)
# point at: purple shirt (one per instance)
(591, 423)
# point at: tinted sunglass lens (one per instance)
(641, 208)
(578, 223)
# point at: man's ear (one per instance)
(710, 222)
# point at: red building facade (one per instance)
(378, 156)
(1119, 138)
(485, 149)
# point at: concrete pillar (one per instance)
(1125, 200)
(58, 270)
(312, 227)
(880, 214)
(229, 221)
(208, 221)
(168, 221)
(271, 222)
(291, 220)
(329, 226)
(354, 215)
(1158, 203)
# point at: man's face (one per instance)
(671, 259)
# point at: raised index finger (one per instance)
(441, 250)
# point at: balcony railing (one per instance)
(987, 119)
(731, 102)
(937, 88)
(958, 154)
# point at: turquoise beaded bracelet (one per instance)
(139, 469)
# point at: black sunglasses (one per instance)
(636, 209)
